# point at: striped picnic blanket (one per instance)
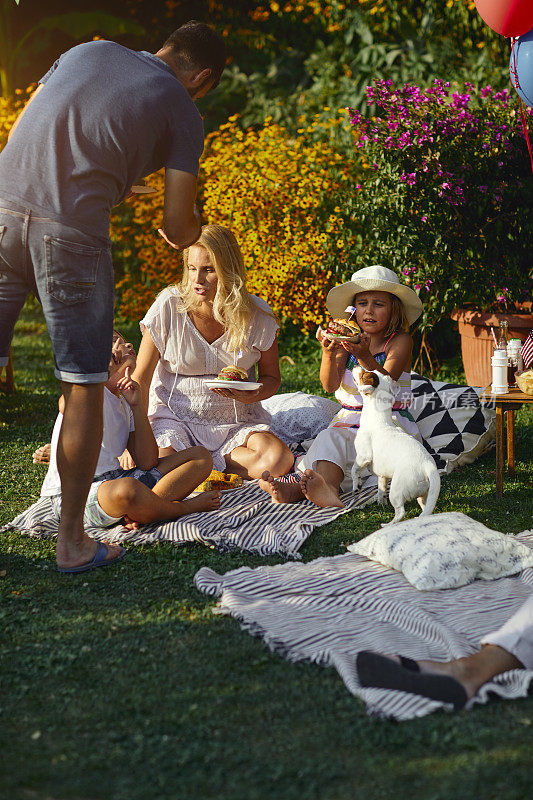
(456, 430)
(247, 520)
(328, 610)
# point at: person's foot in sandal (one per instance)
(453, 682)
(105, 555)
(42, 454)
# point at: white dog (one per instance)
(390, 452)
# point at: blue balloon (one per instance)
(521, 67)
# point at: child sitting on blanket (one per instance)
(155, 490)
(384, 310)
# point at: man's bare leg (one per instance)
(77, 455)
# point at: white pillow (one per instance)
(297, 416)
(444, 551)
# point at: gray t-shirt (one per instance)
(105, 118)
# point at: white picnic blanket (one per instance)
(328, 610)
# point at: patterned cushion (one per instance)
(454, 425)
(297, 416)
(444, 551)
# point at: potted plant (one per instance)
(447, 202)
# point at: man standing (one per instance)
(102, 118)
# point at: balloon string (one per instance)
(514, 73)
(515, 84)
(526, 132)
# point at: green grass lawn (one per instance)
(121, 684)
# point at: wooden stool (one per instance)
(505, 404)
(7, 382)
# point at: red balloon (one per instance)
(508, 17)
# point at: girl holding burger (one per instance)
(384, 309)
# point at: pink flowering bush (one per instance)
(447, 196)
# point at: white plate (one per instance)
(140, 189)
(245, 386)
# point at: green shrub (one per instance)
(445, 199)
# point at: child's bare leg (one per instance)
(280, 491)
(322, 487)
(127, 497)
(182, 472)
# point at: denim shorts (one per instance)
(95, 516)
(71, 274)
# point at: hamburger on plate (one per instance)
(232, 373)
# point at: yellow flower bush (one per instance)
(10, 108)
(144, 262)
(283, 198)
(278, 194)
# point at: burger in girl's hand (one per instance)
(343, 329)
(232, 373)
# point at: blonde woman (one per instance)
(195, 328)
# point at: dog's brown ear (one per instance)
(370, 378)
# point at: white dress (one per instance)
(182, 411)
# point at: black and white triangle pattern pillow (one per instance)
(455, 426)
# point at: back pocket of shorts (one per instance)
(71, 270)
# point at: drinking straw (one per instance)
(494, 336)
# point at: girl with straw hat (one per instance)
(384, 309)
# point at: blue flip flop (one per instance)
(100, 560)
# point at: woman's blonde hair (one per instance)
(233, 305)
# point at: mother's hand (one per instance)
(242, 395)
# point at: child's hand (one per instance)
(129, 389)
(360, 349)
(126, 460)
(330, 346)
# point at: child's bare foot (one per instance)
(42, 454)
(205, 501)
(280, 492)
(318, 491)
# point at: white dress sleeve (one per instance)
(264, 326)
(164, 320)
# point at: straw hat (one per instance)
(373, 279)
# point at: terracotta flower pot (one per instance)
(477, 342)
